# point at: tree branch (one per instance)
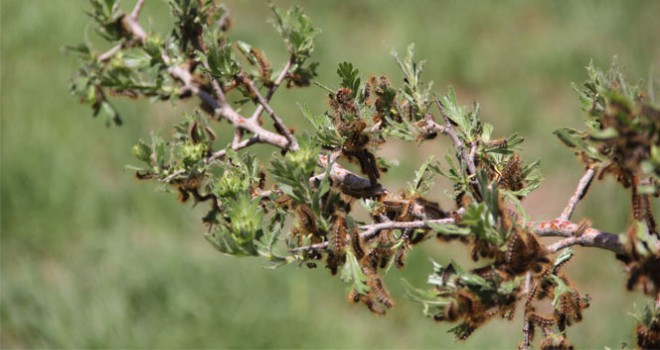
(271, 91)
(219, 103)
(136, 10)
(130, 23)
(371, 231)
(590, 237)
(279, 124)
(579, 193)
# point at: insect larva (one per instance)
(368, 165)
(636, 204)
(380, 293)
(540, 320)
(356, 245)
(264, 66)
(530, 297)
(338, 236)
(514, 248)
(400, 258)
(306, 219)
(497, 143)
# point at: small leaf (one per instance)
(352, 272)
(603, 134)
(350, 77)
(570, 137)
(565, 255)
(424, 177)
(449, 229)
(142, 152)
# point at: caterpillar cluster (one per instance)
(568, 309)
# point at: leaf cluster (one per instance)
(623, 128)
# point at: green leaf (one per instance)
(222, 63)
(424, 177)
(603, 134)
(434, 305)
(112, 116)
(564, 256)
(296, 30)
(350, 77)
(239, 175)
(570, 137)
(449, 229)
(242, 228)
(418, 96)
(467, 123)
(326, 134)
(560, 289)
(136, 59)
(142, 152)
(107, 14)
(83, 50)
(352, 272)
(295, 170)
(404, 130)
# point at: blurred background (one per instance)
(91, 258)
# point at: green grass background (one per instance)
(91, 258)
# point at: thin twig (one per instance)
(136, 10)
(279, 124)
(238, 134)
(172, 176)
(271, 91)
(372, 230)
(106, 56)
(468, 159)
(528, 283)
(449, 130)
(473, 153)
(132, 25)
(579, 193)
(527, 339)
(138, 33)
(240, 145)
(591, 238)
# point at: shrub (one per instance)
(301, 206)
